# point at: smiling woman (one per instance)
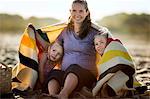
(78, 67)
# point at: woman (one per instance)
(78, 66)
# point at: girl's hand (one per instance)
(48, 55)
(122, 92)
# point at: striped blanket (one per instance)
(26, 71)
(115, 67)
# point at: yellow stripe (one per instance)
(53, 31)
(29, 42)
(53, 27)
(136, 84)
(53, 35)
(114, 53)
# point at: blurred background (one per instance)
(128, 20)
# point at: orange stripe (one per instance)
(29, 42)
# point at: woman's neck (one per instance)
(77, 28)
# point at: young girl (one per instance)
(113, 67)
(36, 62)
(47, 61)
(100, 41)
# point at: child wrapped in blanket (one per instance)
(47, 61)
(113, 79)
(32, 78)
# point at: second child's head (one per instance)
(100, 42)
(56, 52)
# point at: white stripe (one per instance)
(60, 25)
(28, 77)
(33, 79)
(100, 83)
(120, 77)
(28, 52)
(113, 62)
(31, 33)
(115, 45)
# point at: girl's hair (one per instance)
(101, 35)
(86, 25)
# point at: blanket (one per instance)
(26, 71)
(115, 67)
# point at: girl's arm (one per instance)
(42, 64)
(42, 42)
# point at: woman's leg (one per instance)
(70, 84)
(53, 87)
(55, 81)
(75, 78)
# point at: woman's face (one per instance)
(78, 13)
(100, 44)
(56, 52)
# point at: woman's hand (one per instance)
(104, 30)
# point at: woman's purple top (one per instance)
(78, 51)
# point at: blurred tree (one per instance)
(138, 23)
(39, 22)
(127, 23)
(13, 23)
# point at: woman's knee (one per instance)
(52, 82)
(72, 76)
(53, 87)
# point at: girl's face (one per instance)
(100, 44)
(56, 52)
(78, 13)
